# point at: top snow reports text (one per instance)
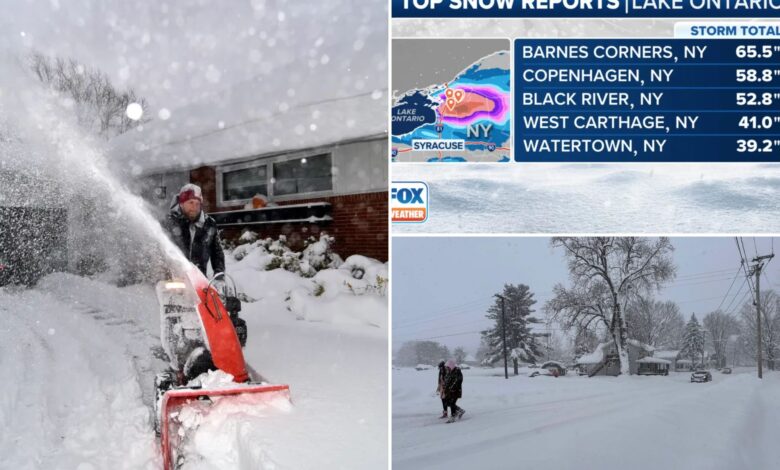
(598, 52)
(595, 4)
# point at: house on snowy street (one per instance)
(671, 355)
(604, 359)
(685, 364)
(650, 365)
(313, 148)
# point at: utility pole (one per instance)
(756, 270)
(503, 335)
(514, 356)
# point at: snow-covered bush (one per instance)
(357, 275)
(318, 255)
(240, 251)
(269, 254)
(247, 237)
(315, 284)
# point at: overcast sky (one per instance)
(174, 51)
(442, 286)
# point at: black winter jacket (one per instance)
(205, 245)
(453, 383)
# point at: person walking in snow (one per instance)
(453, 389)
(440, 389)
(194, 232)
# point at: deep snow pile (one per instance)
(335, 364)
(575, 422)
(317, 285)
(78, 357)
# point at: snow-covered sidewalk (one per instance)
(577, 423)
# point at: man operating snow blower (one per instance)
(196, 234)
(203, 347)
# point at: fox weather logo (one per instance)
(409, 201)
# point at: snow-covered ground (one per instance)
(77, 358)
(575, 422)
(581, 198)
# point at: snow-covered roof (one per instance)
(208, 140)
(596, 356)
(653, 360)
(667, 354)
(640, 345)
(684, 361)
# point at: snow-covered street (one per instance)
(78, 359)
(575, 422)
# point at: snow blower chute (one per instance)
(199, 335)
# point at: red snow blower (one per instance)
(199, 327)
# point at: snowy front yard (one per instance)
(578, 423)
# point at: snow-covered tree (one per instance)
(585, 341)
(518, 300)
(693, 340)
(720, 327)
(654, 322)
(459, 354)
(605, 273)
(412, 353)
(483, 351)
(770, 328)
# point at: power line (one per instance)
(729, 290)
(445, 336)
(739, 304)
(465, 308)
(728, 308)
(706, 273)
(445, 313)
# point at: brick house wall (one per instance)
(360, 221)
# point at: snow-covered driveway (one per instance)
(74, 355)
(77, 362)
(588, 423)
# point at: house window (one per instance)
(303, 175)
(245, 183)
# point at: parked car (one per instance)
(423, 367)
(701, 376)
(726, 370)
(464, 367)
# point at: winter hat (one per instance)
(190, 191)
(451, 364)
